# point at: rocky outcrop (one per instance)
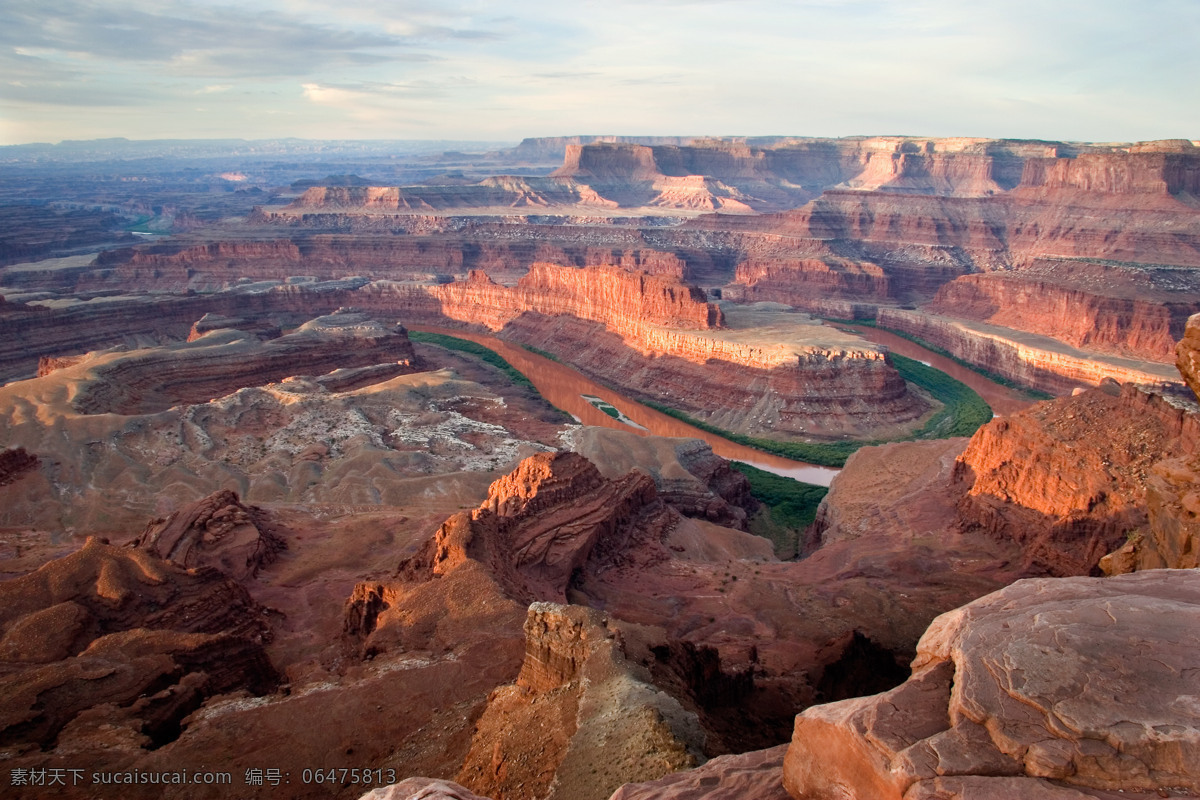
(214, 322)
(543, 522)
(1170, 539)
(1037, 362)
(757, 774)
(1066, 479)
(218, 531)
(122, 631)
(1079, 683)
(686, 472)
(805, 281)
(581, 718)
(15, 462)
(1187, 355)
(626, 303)
(221, 362)
(422, 789)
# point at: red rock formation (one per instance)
(1085, 305)
(757, 774)
(215, 322)
(1066, 479)
(1187, 355)
(595, 723)
(624, 302)
(212, 366)
(544, 521)
(422, 789)
(1056, 684)
(1037, 362)
(15, 462)
(218, 531)
(110, 625)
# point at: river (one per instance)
(565, 387)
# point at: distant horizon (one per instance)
(1097, 71)
(518, 140)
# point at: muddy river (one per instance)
(569, 390)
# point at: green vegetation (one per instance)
(486, 355)
(483, 353)
(963, 410)
(790, 507)
(537, 351)
(962, 413)
(1034, 394)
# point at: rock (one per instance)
(215, 322)
(110, 625)
(15, 462)
(1066, 479)
(1171, 536)
(757, 774)
(1076, 681)
(595, 719)
(1041, 363)
(1187, 354)
(422, 789)
(543, 522)
(686, 472)
(218, 531)
(1134, 313)
(223, 361)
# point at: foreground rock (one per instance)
(581, 719)
(422, 789)
(757, 774)
(1083, 682)
(113, 639)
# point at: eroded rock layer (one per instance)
(108, 625)
(214, 365)
(1083, 682)
(218, 531)
(1067, 479)
(580, 720)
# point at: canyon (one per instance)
(283, 491)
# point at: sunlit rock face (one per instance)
(1074, 682)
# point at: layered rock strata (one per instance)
(218, 531)
(223, 361)
(110, 625)
(1067, 479)
(1037, 362)
(1136, 313)
(1075, 683)
(551, 517)
(606, 723)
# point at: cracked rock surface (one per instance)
(1086, 683)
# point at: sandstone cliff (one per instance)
(1067, 479)
(1134, 313)
(1030, 360)
(581, 718)
(1047, 688)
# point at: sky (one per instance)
(1101, 70)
